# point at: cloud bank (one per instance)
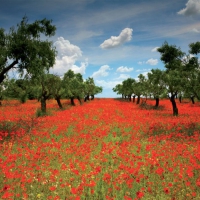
(192, 8)
(115, 41)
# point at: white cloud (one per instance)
(124, 69)
(65, 48)
(152, 61)
(192, 8)
(68, 55)
(149, 62)
(123, 77)
(154, 49)
(141, 62)
(80, 69)
(115, 41)
(103, 71)
(142, 70)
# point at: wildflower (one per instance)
(166, 190)
(140, 194)
(74, 190)
(198, 182)
(52, 188)
(159, 171)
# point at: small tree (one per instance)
(89, 88)
(97, 90)
(73, 86)
(118, 89)
(156, 84)
(126, 87)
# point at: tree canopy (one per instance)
(23, 49)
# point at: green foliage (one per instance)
(194, 48)
(73, 84)
(156, 84)
(25, 47)
(23, 97)
(170, 55)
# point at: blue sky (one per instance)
(110, 40)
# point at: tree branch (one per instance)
(6, 69)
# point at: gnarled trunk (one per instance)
(138, 100)
(43, 104)
(59, 102)
(72, 101)
(87, 98)
(175, 109)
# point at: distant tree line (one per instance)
(50, 86)
(181, 78)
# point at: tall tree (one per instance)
(23, 49)
(172, 57)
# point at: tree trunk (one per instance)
(175, 109)
(43, 104)
(59, 102)
(79, 99)
(92, 97)
(72, 101)
(180, 99)
(138, 100)
(192, 98)
(129, 96)
(134, 99)
(157, 102)
(87, 97)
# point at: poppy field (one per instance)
(105, 149)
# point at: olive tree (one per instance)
(23, 49)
